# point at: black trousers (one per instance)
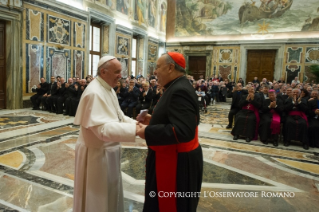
(141, 106)
(36, 100)
(231, 114)
(129, 105)
(59, 104)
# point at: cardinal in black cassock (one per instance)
(247, 119)
(296, 127)
(270, 120)
(313, 122)
(175, 161)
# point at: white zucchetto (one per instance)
(104, 60)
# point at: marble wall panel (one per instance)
(79, 63)
(292, 71)
(58, 30)
(34, 66)
(79, 35)
(125, 66)
(151, 68)
(106, 32)
(152, 51)
(58, 62)
(312, 55)
(225, 71)
(4, 2)
(294, 54)
(34, 25)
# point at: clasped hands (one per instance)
(250, 97)
(141, 125)
(272, 104)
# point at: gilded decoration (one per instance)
(79, 35)
(34, 25)
(58, 30)
(226, 56)
(312, 55)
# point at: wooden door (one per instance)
(2, 67)
(197, 66)
(261, 64)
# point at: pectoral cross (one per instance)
(248, 106)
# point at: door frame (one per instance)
(279, 60)
(5, 74)
(14, 74)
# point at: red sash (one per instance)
(255, 110)
(166, 165)
(275, 122)
(299, 113)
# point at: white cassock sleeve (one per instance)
(115, 132)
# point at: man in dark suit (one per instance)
(234, 108)
(41, 89)
(145, 98)
(131, 99)
(51, 90)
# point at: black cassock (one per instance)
(245, 122)
(266, 118)
(174, 122)
(296, 127)
(313, 121)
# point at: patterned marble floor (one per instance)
(37, 167)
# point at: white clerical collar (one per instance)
(103, 83)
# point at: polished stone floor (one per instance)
(37, 167)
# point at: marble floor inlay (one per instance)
(37, 151)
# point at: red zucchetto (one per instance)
(178, 58)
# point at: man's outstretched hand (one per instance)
(140, 130)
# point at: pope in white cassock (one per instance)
(98, 181)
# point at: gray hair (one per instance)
(169, 60)
(296, 89)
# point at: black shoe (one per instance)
(248, 139)
(235, 137)
(205, 110)
(264, 142)
(228, 127)
(286, 143)
(306, 146)
(275, 143)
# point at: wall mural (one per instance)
(123, 6)
(123, 45)
(140, 8)
(163, 17)
(220, 17)
(58, 30)
(123, 53)
(152, 11)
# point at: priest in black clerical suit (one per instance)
(313, 119)
(296, 127)
(236, 95)
(175, 161)
(270, 120)
(247, 119)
